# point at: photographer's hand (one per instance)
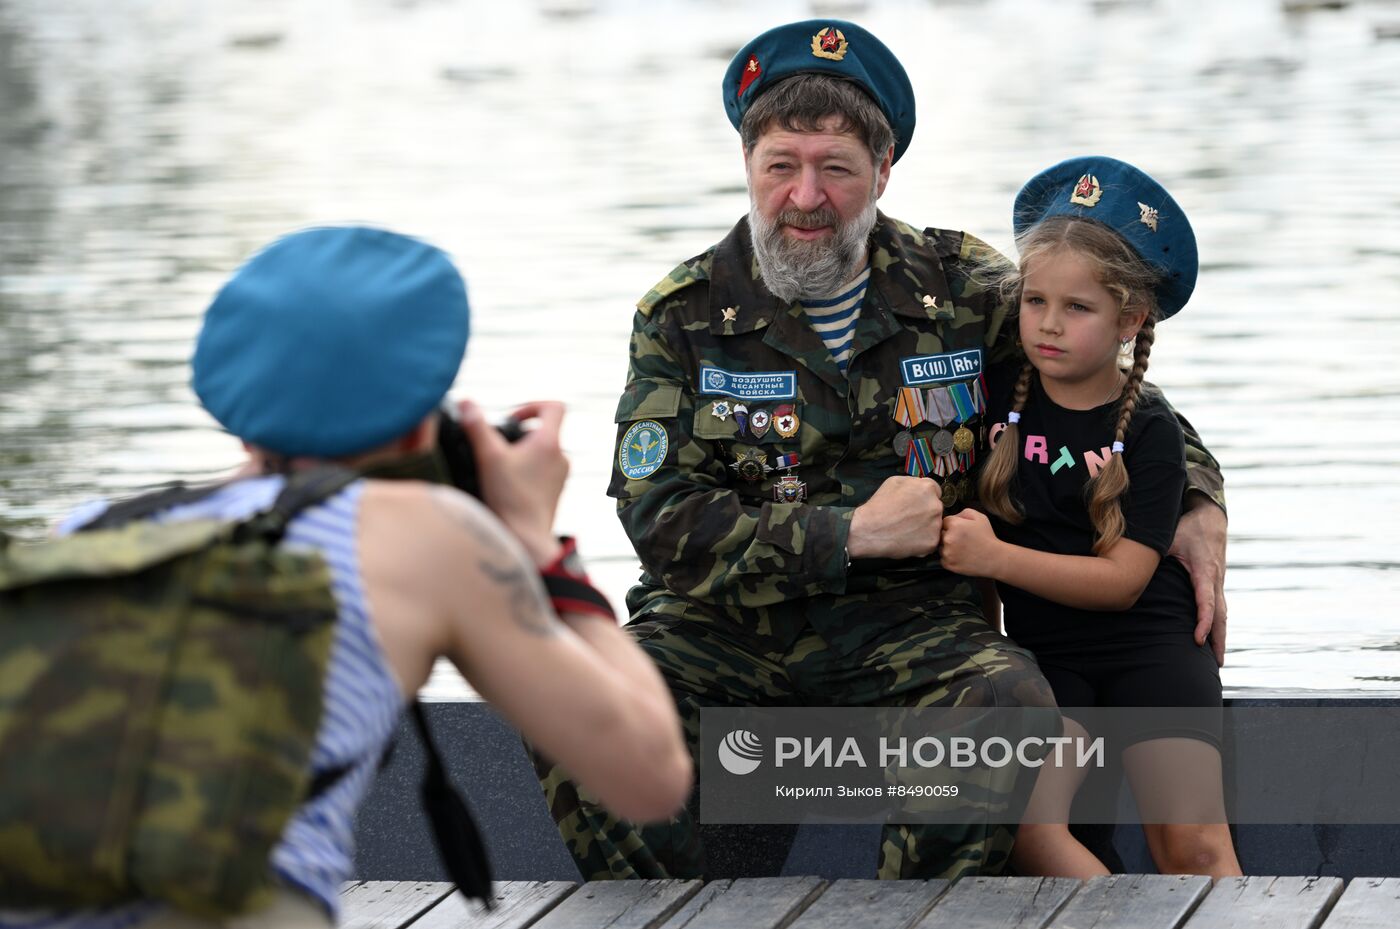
(521, 481)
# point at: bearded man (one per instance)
(780, 470)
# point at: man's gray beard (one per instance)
(797, 270)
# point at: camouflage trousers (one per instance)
(920, 662)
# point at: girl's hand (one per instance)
(970, 546)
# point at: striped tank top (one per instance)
(362, 704)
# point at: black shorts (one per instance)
(1171, 673)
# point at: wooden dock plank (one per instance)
(387, 904)
(517, 904)
(748, 903)
(1000, 903)
(619, 905)
(870, 904)
(1133, 901)
(1368, 903)
(1267, 903)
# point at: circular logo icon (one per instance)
(642, 450)
(741, 752)
(715, 379)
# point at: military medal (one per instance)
(909, 408)
(918, 461)
(759, 423)
(967, 403)
(941, 408)
(964, 405)
(720, 410)
(961, 395)
(785, 420)
(788, 489)
(909, 411)
(751, 465)
(956, 491)
(950, 493)
(741, 416)
(963, 440)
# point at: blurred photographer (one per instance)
(337, 345)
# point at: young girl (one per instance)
(1084, 487)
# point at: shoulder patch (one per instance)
(642, 450)
(681, 277)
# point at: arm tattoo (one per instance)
(528, 605)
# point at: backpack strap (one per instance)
(148, 504)
(455, 834)
(458, 841)
(303, 489)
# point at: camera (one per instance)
(456, 448)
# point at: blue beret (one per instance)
(1127, 201)
(332, 341)
(825, 46)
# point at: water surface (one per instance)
(570, 153)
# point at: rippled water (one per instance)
(569, 153)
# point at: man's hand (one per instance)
(969, 545)
(902, 519)
(1200, 545)
(521, 481)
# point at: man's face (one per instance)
(812, 206)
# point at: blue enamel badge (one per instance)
(935, 369)
(748, 385)
(642, 450)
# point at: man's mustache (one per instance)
(816, 219)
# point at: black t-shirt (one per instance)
(1059, 450)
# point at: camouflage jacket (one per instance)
(718, 548)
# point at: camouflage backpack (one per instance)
(160, 692)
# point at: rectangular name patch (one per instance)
(934, 369)
(748, 385)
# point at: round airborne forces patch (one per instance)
(642, 450)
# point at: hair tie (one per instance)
(1013, 417)
(1117, 448)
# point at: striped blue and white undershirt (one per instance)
(835, 317)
